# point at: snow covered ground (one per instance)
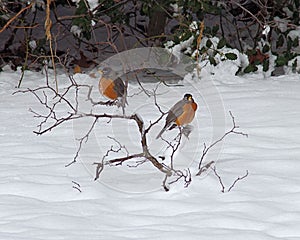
(38, 201)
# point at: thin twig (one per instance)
(238, 179)
(221, 181)
(249, 12)
(219, 178)
(232, 130)
(81, 140)
(76, 186)
(16, 16)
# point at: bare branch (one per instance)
(16, 16)
(165, 186)
(81, 140)
(185, 175)
(238, 179)
(174, 145)
(205, 168)
(119, 161)
(51, 100)
(137, 163)
(206, 149)
(140, 84)
(100, 166)
(219, 178)
(76, 186)
(99, 169)
(221, 182)
(249, 12)
(119, 144)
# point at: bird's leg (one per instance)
(111, 103)
(107, 103)
(173, 126)
(180, 131)
(123, 109)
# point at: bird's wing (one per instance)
(119, 87)
(175, 112)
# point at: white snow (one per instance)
(38, 201)
(76, 30)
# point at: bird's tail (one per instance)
(122, 102)
(161, 132)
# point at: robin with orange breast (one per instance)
(181, 114)
(113, 87)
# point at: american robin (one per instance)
(181, 114)
(112, 87)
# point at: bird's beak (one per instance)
(100, 71)
(190, 98)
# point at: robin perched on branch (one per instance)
(113, 87)
(181, 114)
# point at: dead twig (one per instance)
(206, 149)
(219, 178)
(16, 16)
(174, 145)
(205, 168)
(221, 181)
(248, 12)
(100, 166)
(76, 186)
(48, 26)
(81, 140)
(238, 179)
(178, 174)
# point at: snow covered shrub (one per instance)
(288, 41)
(82, 23)
(266, 31)
(212, 54)
(84, 30)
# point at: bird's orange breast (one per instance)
(194, 106)
(106, 87)
(188, 114)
